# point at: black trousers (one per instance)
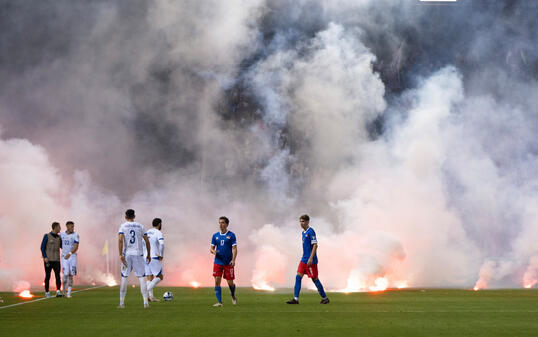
(52, 265)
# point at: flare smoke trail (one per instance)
(406, 130)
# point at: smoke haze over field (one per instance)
(405, 130)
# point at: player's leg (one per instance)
(140, 272)
(313, 274)
(48, 269)
(72, 273)
(58, 278)
(155, 268)
(125, 271)
(217, 273)
(321, 291)
(64, 272)
(218, 289)
(297, 288)
(229, 275)
(156, 279)
(149, 278)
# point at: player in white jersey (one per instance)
(131, 251)
(154, 269)
(70, 242)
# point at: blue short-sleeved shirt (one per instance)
(309, 239)
(223, 243)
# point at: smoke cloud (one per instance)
(406, 131)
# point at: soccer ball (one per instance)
(168, 296)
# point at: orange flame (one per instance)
(480, 284)
(401, 285)
(354, 284)
(381, 284)
(195, 284)
(263, 286)
(26, 294)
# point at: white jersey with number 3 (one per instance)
(133, 242)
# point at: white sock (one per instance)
(152, 285)
(69, 285)
(143, 289)
(64, 281)
(123, 289)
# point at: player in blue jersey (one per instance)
(224, 247)
(309, 262)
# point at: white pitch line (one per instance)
(45, 298)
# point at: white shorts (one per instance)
(134, 263)
(69, 266)
(154, 267)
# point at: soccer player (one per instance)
(70, 242)
(309, 262)
(130, 245)
(154, 269)
(224, 247)
(50, 250)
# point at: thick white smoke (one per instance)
(416, 170)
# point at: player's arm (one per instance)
(161, 248)
(234, 250)
(148, 258)
(120, 248)
(44, 248)
(73, 251)
(213, 247)
(234, 255)
(311, 258)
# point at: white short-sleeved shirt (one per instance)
(156, 242)
(133, 242)
(68, 242)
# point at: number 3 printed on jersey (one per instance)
(133, 237)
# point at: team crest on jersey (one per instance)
(227, 237)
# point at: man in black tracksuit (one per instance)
(50, 250)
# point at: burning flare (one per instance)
(381, 284)
(401, 285)
(26, 294)
(195, 284)
(262, 285)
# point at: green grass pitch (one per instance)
(429, 312)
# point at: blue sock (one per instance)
(232, 290)
(297, 288)
(218, 292)
(320, 288)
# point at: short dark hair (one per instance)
(304, 217)
(225, 219)
(130, 213)
(69, 223)
(55, 224)
(156, 222)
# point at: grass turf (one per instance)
(430, 312)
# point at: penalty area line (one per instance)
(45, 298)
